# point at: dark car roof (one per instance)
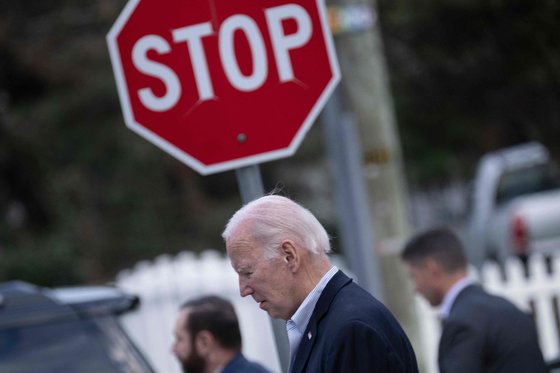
(24, 304)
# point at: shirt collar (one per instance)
(304, 311)
(452, 294)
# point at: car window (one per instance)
(525, 181)
(120, 348)
(70, 346)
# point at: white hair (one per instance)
(271, 219)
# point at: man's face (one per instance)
(268, 281)
(425, 280)
(184, 348)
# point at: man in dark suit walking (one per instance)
(481, 332)
(279, 250)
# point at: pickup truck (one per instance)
(515, 207)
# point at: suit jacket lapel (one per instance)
(309, 337)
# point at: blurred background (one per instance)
(82, 197)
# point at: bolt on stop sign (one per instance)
(222, 84)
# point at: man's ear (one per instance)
(290, 255)
(204, 342)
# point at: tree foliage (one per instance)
(472, 76)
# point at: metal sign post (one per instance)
(251, 187)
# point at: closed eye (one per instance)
(244, 273)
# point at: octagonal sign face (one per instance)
(222, 84)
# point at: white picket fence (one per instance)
(168, 281)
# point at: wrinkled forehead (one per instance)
(244, 253)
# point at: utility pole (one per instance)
(366, 93)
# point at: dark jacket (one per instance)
(351, 331)
(240, 364)
(487, 333)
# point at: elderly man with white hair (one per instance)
(279, 250)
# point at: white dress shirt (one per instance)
(297, 324)
(452, 294)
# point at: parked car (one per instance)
(66, 330)
(515, 208)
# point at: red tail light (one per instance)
(520, 235)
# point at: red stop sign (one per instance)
(222, 84)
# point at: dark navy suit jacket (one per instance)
(351, 331)
(486, 333)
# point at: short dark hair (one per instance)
(216, 315)
(440, 244)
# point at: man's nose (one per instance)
(244, 288)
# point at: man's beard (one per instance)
(193, 364)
